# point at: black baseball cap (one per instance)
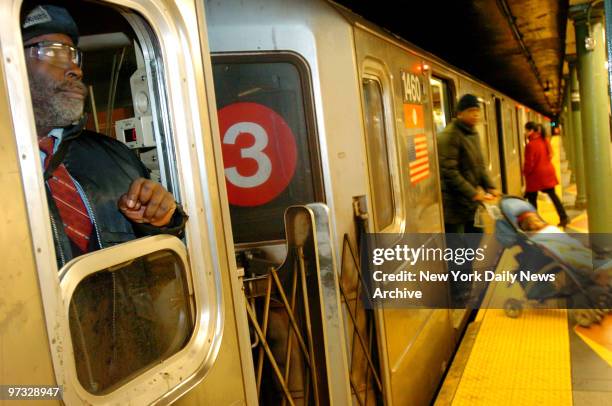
(49, 19)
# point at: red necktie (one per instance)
(72, 210)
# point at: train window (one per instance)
(378, 153)
(483, 132)
(126, 317)
(440, 95)
(125, 100)
(268, 141)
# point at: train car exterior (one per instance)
(357, 101)
(347, 69)
(352, 114)
(60, 327)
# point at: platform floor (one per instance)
(539, 358)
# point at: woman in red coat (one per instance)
(539, 172)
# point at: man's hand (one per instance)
(147, 202)
(479, 196)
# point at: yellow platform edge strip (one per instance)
(524, 361)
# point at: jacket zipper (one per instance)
(89, 210)
(56, 235)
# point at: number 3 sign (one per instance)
(259, 153)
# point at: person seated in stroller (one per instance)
(570, 250)
(546, 249)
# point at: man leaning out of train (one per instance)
(99, 193)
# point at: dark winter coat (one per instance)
(538, 169)
(103, 168)
(462, 171)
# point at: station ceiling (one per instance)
(516, 46)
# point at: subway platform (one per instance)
(540, 358)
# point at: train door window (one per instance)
(270, 150)
(440, 96)
(483, 131)
(378, 153)
(130, 305)
(127, 314)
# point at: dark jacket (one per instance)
(538, 169)
(104, 168)
(462, 170)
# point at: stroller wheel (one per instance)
(513, 308)
(606, 305)
(605, 301)
(601, 297)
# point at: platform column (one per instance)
(592, 74)
(608, 30)
(568, 140)
(577, 137)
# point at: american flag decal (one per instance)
(418, 157)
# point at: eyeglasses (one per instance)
(56, 53)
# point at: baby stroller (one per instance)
(587, 299)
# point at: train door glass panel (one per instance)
(269, 146)
(128, 317)
(378, 153)
(483, 132)
(440, 96)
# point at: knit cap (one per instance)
(467, 101)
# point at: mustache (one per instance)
(71, 86)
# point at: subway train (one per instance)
(288, 130)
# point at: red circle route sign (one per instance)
(259, 153)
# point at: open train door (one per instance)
(509, 149)
(501, 144)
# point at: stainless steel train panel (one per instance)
(26, 358)
(410, 337)
(314, 219)
(295, 313)
(512, 149)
